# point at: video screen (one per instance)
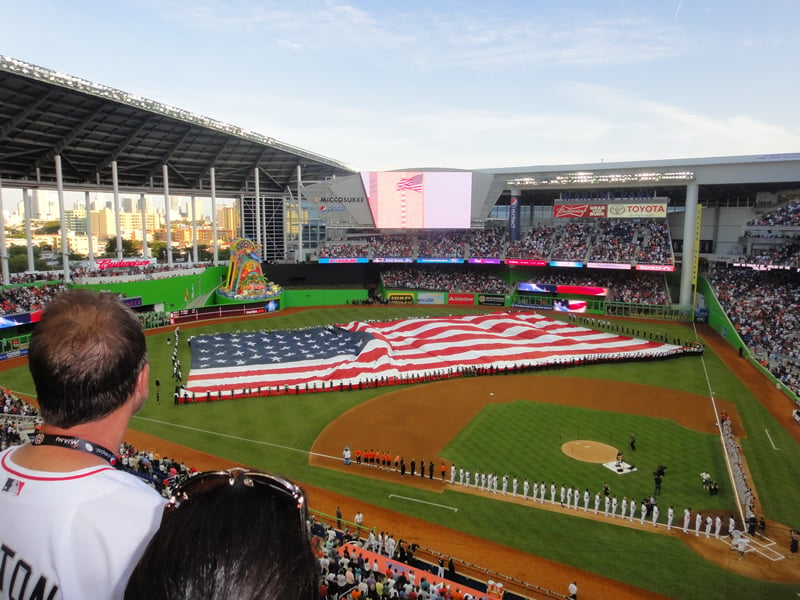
(419, 200)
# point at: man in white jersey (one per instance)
(72, 522)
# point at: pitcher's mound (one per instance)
(589, 451)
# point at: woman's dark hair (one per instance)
(232, 540)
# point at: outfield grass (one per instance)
(275, 434)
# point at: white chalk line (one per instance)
(453, 508)
(769, 437)
(238, 438)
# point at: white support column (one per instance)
(689, 232)
(214, 240)
(167, 216)
(64, 244)
(258, 216)
(143, 209)
(3, 249)
(300, 257)
(27, 198)
(118, 224)
(193, 201)
(88, 203)
(241, 217)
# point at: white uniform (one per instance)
(80, 533)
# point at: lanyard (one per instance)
(75, 443)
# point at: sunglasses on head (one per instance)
(202, 483)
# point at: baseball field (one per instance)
(530, 426)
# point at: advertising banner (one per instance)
(342, 260)
(389, 259)
(513, 218)
(525, 262)
(562, 305)
(661, 268)
(430, 298)
(484, 261)
(441, 260)
(223, 310)
(491, 300)
(20, 319)
(395, 298)
(602, 265)
(466, 299)
(536, 288)
(603, 210)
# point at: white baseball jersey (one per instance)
(72, 535)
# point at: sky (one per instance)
(384, 85)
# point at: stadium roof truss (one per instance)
(44, 113)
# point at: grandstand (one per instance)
(540, 238)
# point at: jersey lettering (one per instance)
(20, 577)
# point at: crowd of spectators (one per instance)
(654, 243)
(600, 240)
(631, 287)
(443, 279)
(572, 241)
(394, 246)
(12, 411)
(17, 278)
(784, 216)
(787, 255)
(764, 307)
(488, 243)
(344, 250)
(22, 299)
(441, 245)
(613, 241)
(535, 245)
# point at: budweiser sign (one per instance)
(630, 210)
(110, 263)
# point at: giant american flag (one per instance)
(394, 351)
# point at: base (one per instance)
(620, 468)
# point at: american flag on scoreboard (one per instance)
(410, 183)
(358, 351)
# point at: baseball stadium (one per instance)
(527, 377)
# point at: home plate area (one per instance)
(619, 467)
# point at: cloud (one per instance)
(432, 37)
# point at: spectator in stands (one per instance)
(75, 523)
(784, 216)
(28, 298)
(230, 534)
(764, 307)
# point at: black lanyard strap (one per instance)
(75, 443)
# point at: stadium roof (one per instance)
(44, 113)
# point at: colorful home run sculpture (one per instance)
(245, 281)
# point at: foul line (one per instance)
(236, 437)
(774, 447)
(453, 508)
